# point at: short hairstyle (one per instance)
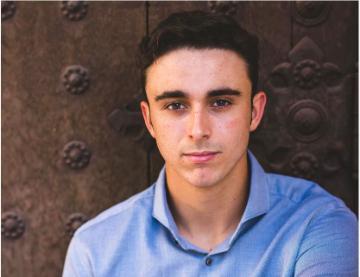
(199, 30)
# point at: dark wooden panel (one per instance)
(39, 117)
(332, 26)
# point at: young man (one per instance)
(213, 210)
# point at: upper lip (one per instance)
(201, 153)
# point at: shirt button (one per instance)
(208, 261)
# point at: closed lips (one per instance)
(205, 153)
(200, 157)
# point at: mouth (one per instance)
(200, 157)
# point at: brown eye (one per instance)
(221, 103)
(175, 106)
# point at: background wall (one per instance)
(73, 141)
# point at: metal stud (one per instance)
(8, 9)
(304, 165)
(310, 13)
(76, 155)
(75, 79)
(74, 10)
(74, 221)
(224, 7)
(307, 120)
(12, 225)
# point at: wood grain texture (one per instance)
(337, 38)
(39, 117)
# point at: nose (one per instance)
(199, 125)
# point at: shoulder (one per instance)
(300, 191)
(97, 243)
(118, 216)
(308, 202)
(324, 227)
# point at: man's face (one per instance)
(200, 113)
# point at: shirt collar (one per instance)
(161, 209)
(259, 196)
(258, 202)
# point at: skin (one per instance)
(200, 113)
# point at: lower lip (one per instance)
(201, 158)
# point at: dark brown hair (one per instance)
(199, 30)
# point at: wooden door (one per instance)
(73, 141)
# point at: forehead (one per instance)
(198, 70)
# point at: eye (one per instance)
(221, 103)
(175, 106)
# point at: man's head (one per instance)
(199, 30)
(200, 107)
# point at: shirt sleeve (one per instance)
(77, 262)
(330, 246)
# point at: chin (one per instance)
(202, 179)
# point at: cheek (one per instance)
(167, 135)
(237, 125)
(232, 124)
(169, 128)
(235, 131)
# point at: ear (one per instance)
(145, 110)
(258, 107)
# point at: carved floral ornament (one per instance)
(299, 87)
(74, 10)
(8, 9)
(327, 160)
(307, 74)
(12, 225)
(304, 165)
(304, 94)
(306, 71)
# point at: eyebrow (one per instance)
(211, 93)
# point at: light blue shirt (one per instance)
(290, 227)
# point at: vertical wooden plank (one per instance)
(332, 26)
(270, 22)
(39, 117)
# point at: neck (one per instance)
(206, 216)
